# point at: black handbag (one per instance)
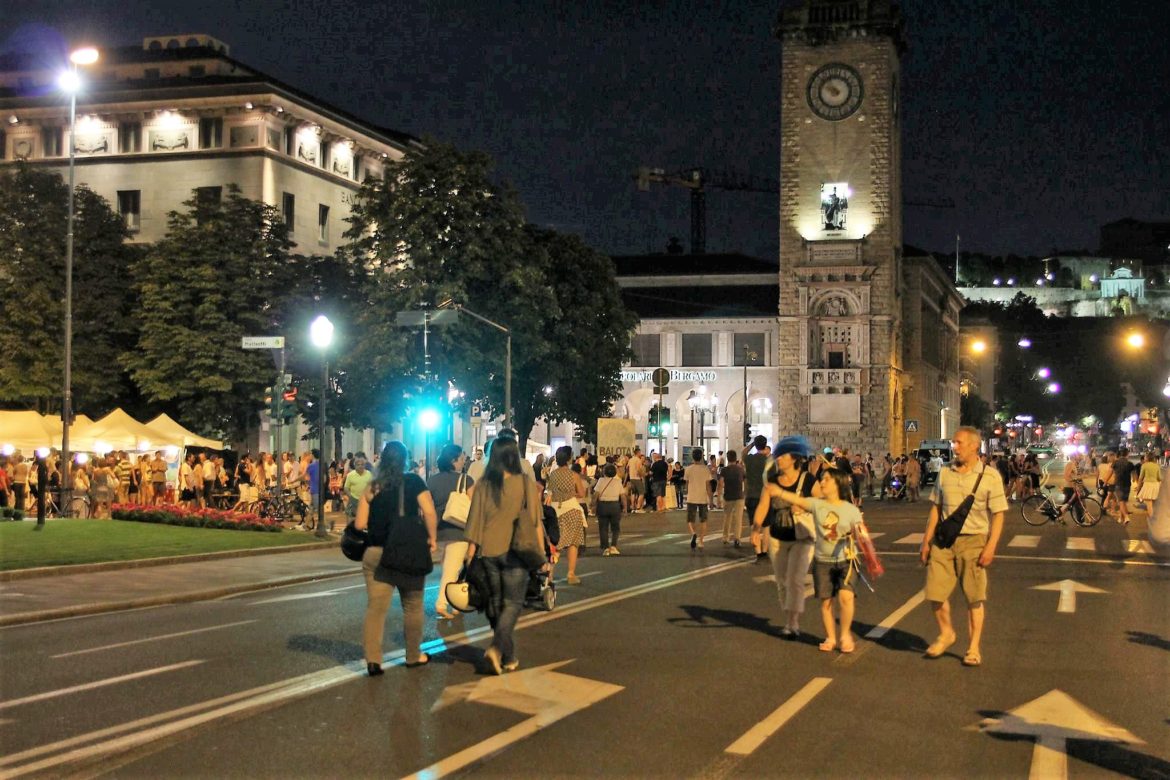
(782, 523)
(408, 549)
(354, 542)
(948, 529)
(525, 540)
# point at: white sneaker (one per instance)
(614, 551)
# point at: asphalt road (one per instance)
(662, 663)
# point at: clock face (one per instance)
(834, 92)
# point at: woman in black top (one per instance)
(378, 511)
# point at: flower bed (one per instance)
(170, 514)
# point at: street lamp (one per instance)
(703, 403)
(321, 334)
(1135, 340)
(70, 82)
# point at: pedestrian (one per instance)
(834, 517)
(636, 473)
(187, 494)
(505, 495)
(713, 484)
(393, 497)
(158, 479)
(18, 479)
(611, 502)
(1122, 478)
(1149, 480)
(733, 477)
(566, 489)
(965, 563)
(913, 478)
(755, 463)
(792, 556)
(447, 480)
(698, 479)
(659, 473)
(677, 484)
(210, 479)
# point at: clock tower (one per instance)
(841, 375)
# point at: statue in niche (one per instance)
(834, 307)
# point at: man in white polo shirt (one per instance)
(966, 562)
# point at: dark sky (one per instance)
(1041, 120)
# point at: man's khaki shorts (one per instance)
(959, 564)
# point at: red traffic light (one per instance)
(290, 394)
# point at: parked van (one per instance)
(933, 454)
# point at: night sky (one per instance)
(1041, 120)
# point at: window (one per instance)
(696, 349)
(210, 133)
(130, 137)
(288, 207)
(52, 141)
(324, 155)
(130, 207)
(647, 349)
(749, 349)
(323, 224)
(196, 71)
(208, 195)
(289, 140)
(836, 358)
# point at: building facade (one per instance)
(178, 118)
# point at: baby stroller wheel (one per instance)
(549, 597)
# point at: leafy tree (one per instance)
(974, 410)
(217, 275)
(33, 225)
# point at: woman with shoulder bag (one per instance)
(792, 532)
(565, 487)
(504, 499)
(399, 515)
(450, 481)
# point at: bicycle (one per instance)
(1041, 509)
(78, 505)
(286, 509)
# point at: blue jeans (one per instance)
(509, 582)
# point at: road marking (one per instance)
(653, 539)
(1023, 540)
(755, 736)
(153, 639)
(1068, 593)
(302, 596)
(279, 692)
(910, 539)
(707, 538)
(1085, 543)
(1139, 546)
(880, 630)
(1051, 721)
(579, 576)
(876, 534)
(1054, 559)
(95, 684)
(543, 693)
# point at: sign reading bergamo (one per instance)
(676, 375)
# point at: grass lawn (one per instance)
(92, 541)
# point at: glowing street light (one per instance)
(978, 346)
(1135, 340)
(1044, 373)
(1054, 387)
(321, 334)
(1024, 343)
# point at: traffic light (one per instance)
(747, 432)
(664, 419)
(270, 402)
(288, 404)
(655, 412)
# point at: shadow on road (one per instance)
(1150, 640)
(334, 649)
(707, 617)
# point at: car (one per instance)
(933, 454)
(1042, 453)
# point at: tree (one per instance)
(217, 275)
(975, 411)
(33, 225)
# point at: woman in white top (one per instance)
(611, 501)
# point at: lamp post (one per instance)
(748, 356)
(321, 334)
(548, 391)
(703, 403)
(71, 83)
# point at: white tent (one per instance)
(26, 431)
(177, 434)
(118, 431)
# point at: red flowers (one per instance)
(170, 514)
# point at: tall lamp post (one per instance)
(321, 334)
(703, 403)
(70, 82)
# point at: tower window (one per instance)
(52, 141)
(288, 207)
(210, 133)
(130, 137)
(130, 208)
(323, 223)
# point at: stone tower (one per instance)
(841, 373)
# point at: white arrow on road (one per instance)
(1052, 720)
(545, 694)
(1068, 593)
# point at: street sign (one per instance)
(476, 410)
(262, 342)
(912, 426)
(476, 422)
(414, 319)
(661, 377)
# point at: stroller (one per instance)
(897, 488)
(541, 588)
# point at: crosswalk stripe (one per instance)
(910, 539)
(876, 534)
(1084, 543)
(755, 736)
(1023, 540)
(706, 538)
(1139, 546)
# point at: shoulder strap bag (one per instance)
(458, 504)
(526, 544)
(407, 549)
(948, 529)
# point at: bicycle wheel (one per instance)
(1088, 514)
(1037, 510)
(78, 507)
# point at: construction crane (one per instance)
(698, 180)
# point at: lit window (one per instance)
(130, 208)
(323, 224)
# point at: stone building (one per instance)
(855, 367)
(178, 115)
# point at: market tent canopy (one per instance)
(117, 431)
(177, 434)
(26, 431)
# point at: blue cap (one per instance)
(792, 445)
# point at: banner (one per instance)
(615, 436)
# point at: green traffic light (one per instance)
(428, 419)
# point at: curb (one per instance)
(89, 568)
(24, 618)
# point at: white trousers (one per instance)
(790, 564)
(453, 555)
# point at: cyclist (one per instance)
(1070, 477)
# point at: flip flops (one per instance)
(938, 647)
(972, 658)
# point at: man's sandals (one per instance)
(939, 647)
